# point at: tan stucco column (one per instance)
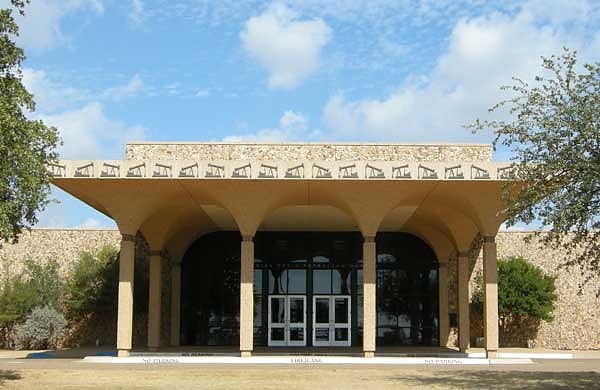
(125, 304)
(247, 297)
(175, 302)
(490, 309)
(154, 299)
(463, 302)
(443, 303)
(369, 296)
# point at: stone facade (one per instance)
(576, 323)
(309, 151)
(64, 246)
(577, 316)
(61, 245)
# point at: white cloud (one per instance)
(202, 93)
(88, 133)
(137, 13)
(289, 48)
(40, 28)
(483, 53)
(120, 92)
(50, 95)
(292, 127)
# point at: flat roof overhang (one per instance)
(173, 202)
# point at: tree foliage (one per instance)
(26, 145)
(93, 284)
(523, 290)
(38, 284)
(554, 136)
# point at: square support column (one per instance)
(464, 322)
(175, 303)
(369, 296)
(154, 299)
(443, 304)
(125, 304)
(247, 297)
(490, 308)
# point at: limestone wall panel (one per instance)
(308, 151)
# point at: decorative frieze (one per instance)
(244, 169)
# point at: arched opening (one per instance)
(407, 291)
(308, 290)
(210, 290)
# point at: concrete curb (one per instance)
(301, 360)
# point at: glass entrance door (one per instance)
(287, 320)
(331, 321)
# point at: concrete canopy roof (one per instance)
(172, 212)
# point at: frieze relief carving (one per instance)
(347, 170)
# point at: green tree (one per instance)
(26, 145)
(523, 291)
(92, 286)
(554, 136)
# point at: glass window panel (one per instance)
(296, 310)
(296, 281)
(322, 334)
(322, 281)
(277, 310)
(257, 310)
(320, 259)
(341, 310)
(277, 281)
(258, 273)
(296, 334)
(336, 281)
(359, 311)
(340, 281)
(341, 334)
(322, 310)
(277, 334)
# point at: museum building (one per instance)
(301, 245)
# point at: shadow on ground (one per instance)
(8, 375)
(72, 353)
(506, 379)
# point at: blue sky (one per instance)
(107, 71)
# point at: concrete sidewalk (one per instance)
(538, 353)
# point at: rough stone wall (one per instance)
(64, 246)
(576, 323)
(308, 151)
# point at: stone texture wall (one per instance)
(64, 246)
(576, 323)
(308, 151)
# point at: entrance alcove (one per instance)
(308, 284)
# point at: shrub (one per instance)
(93, 283)
(39, 284)
(42, 329)
(523, 290)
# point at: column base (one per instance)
(123, 352)
(245, 353)
(491, 353)
(369, 354)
